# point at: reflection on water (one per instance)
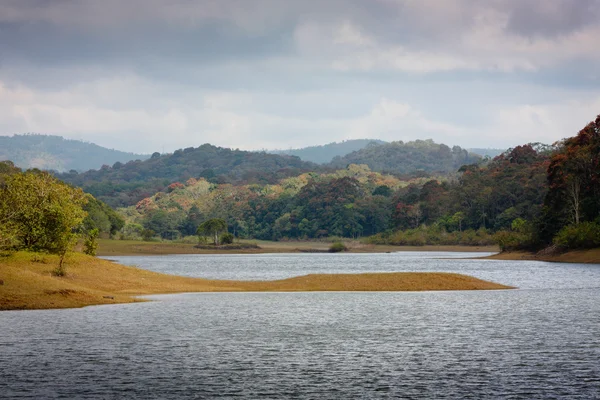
(537, 342)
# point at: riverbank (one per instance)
(109, 247)
(28, 283)
(591, 256)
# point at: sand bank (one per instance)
(28, 283)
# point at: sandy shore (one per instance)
(28, 283)
(130, 247)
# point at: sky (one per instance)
(159, 75)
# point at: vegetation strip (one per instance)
(28, 282)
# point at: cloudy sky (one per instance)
(158, 75)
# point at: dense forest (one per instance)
(529, 197)
(351, 203)
(325, 153)
(48, 152)
(408, 158)
(126, 184)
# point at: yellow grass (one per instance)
(591, 256)
(29, 284)
(109, 247)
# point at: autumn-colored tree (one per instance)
(574, 182)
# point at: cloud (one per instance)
(144, 74)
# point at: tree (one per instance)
(39, 212)
(213, 227)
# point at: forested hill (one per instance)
(409, 157)
(126, 184)
(325, 153)
(59, 154)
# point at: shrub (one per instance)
(337, 247)
(227, 238)
(90, 245)
(510, 240)
(583, 236)
(148, 234)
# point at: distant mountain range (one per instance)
(59, 154)
(325, 153)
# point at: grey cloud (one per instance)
(234, 71)
(552, 17)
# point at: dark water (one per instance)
(541, 341)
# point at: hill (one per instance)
(59, 154)
(126, 184)
(351, 202)
(325, 153)
(409, 157)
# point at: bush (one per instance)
(510, 241)
(90, 245)
(586, 235)
(337, 247)
(148, 235)
(226, 238)
(433, 235)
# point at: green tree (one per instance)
(39, 212)
(213, 228)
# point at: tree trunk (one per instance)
(574, 190)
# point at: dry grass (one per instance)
(591, 256)
(109, 247)
(28, 283)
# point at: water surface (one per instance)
(540, 341)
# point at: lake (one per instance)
(540, 341)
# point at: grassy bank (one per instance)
(109, 247)
(591, 256)
(28, 283)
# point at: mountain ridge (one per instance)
(52, 152)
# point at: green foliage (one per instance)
(227, 238)
(337, 247)
(40, 213)
(101, 217)
(433, 235)
(212, 228)
(586, 235)
(90, 244)
(513, 240)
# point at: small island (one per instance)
(28, 283)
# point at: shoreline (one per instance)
(109, 247)
(28, 283)
(590, 256)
